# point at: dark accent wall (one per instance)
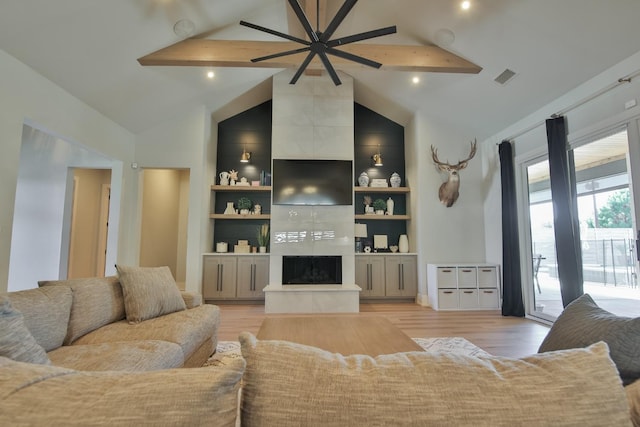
(370, 131)
(251, 130)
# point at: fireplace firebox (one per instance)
(311, 270)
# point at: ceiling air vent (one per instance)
(505, 76)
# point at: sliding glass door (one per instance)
(606, 230)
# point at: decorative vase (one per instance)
(395, 180)
(390, 205)
(229, 210)
(403, 244)
(224, 178)
(363, 180)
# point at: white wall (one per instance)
(27, 97)
(182, 143)
(602, 109)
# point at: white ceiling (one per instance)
(90, 48)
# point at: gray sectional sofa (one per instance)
(82, 324)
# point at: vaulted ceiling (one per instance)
(90, 48)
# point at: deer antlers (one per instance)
(448, 192)
(461, 164)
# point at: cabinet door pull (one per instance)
(487, 270)
(447, 292)
(221, 275)
(466, 271)
(402, 271)
(369, 274)
(400, 277)
(446, 271)
(218, 279)
(488, 292)
(468, 292)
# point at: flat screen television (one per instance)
(312, 182)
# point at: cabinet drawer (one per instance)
(487, 277)
(446, 277)
(488, 298)
(447, 299)
(467, 277)
(468, 298)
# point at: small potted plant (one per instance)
(263, 237)
(244, 204)
(379, 206)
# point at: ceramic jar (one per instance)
(363, 180)
(390, 205)
(395, 180)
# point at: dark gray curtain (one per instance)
(565, 211)
(512, 304)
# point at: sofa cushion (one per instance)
(16, 342)
(97, 301)
(133, 356)
(287, 384)
(40, 395)
(149, 292)
(188, 328)
(583, 323)
(633, 398)
(46, 313)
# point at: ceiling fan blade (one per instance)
(281, 54)
(354, 58)
(362, 36)
(274, 32)
(302, 67)
(337, 20)
(295, 5)
(329, 68)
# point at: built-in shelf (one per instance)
(381, 189)
(239, 216)
(240, 188)
(383, 217)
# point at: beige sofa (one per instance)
(82, 324)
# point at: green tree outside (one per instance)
(616, 213)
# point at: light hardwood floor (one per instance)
(494, 333)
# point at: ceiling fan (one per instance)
(197, 51)
(320, 42)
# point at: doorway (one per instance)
(89, 223)
(164, 220)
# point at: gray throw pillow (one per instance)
(149, 292)
(583, 323)
(16, 342)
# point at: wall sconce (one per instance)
(377, 158)
(244, 158)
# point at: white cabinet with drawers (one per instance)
(463, 286)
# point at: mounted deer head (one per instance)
(448, 192)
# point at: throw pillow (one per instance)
(149, 292)
(583, 323)
(633, 397)
(16, 342)
(46, 313)
(97, 301)
(288, 384)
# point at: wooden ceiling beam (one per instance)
(236, 53)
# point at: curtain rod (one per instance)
(625, 79)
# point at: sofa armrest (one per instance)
(156, 398)
(191, 299)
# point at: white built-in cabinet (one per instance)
(463, 286)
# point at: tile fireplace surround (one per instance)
(312, 119)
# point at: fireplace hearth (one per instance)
(311, 270)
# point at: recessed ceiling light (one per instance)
(211, 74)
(415, 80)
(465, 5)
